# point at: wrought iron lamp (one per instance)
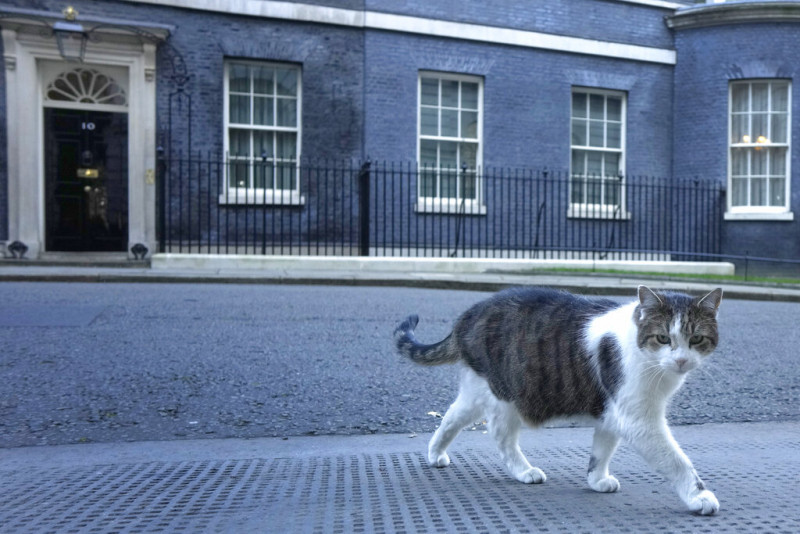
(70, 36)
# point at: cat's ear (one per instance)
(648, 298)
(710, 302)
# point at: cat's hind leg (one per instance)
(604, 444)
(466, 409)
(504, 425)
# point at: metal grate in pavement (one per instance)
(398, 492)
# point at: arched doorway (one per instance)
(86, 162)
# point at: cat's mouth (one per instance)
(682, 367)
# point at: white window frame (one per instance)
(249, 194)
(438, 203)
(600, 210)
(759, 212)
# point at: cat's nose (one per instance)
(680, 362)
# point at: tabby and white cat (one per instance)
(535, 354)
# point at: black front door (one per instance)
(86, 180)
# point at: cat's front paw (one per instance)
(438, 460)
(534, 475)
(607, 484)
(704, 503)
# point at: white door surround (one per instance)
(32, 62)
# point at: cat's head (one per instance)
(679, 330)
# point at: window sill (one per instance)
(260, 198)
(446, 207)
(590, 211)
(759, 216)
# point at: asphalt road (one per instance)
(128, 362)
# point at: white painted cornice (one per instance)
(741, 12)
(655, 3)
(375, 20)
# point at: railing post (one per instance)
(161, 181)
(363, 208)
(746, 264)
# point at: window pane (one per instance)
(469, 185)
(579, 105)
(239, 78)
(739, 96)
(469, 155)
(448, 155)
(739, 161)
(612, 192)
(286, 145)
(578, 162)
(469, 124)
(777, 163)
(287, 81)
(594, 163)
(614, 109)
(285, 176)
(238, 172)
(429, 121)
(739, 192)
(594, 190)
(287, 112)
(758, 162)
(427, 182)
(778, 128)
(449, 93)
(263, 164)
(614, 135)
(758, 191)
(579, 132)
(448, 184)
(596, 107)
(611, 166)
(239, 143)
(760, 97)
(262, 111)
(429, 92)
(759, 127)
(262, 145)
(449, 123)
(263, 175)
(780, 97)
(777, 192)
(596, 134)
(428, 154)
(469, 95)
(739, 130)
(263, 80)
(239, 109)
(577, 187)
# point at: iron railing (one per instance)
(385, 209)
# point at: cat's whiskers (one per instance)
(651, 372)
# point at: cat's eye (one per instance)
(661, 338)
(695, 339)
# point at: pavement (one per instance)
(381, 483)
(589, 277)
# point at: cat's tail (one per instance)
(435, 354)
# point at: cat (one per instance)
(535, 354)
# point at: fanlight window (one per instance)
(86, 86)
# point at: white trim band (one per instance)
(438, 28)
